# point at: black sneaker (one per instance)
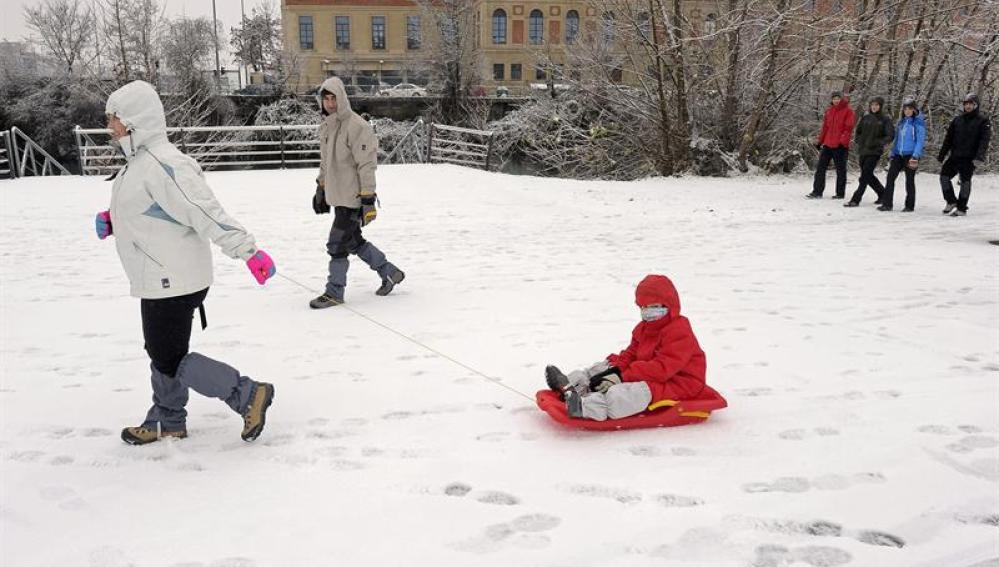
(557, 380)
(959, 213)
(573, 403)
(813, 196)
(838, 197)
(851, 204)
(325, 300)
(884, 208)
(949, 208)
(389, 283)
(908, 210)
(878, 202)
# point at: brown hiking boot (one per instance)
(142, 435)
(256, 411)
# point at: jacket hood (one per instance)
(335, 86)
(843, 102)
(139, 107)
(658, 289)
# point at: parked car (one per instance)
(404, 89)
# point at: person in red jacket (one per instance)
(834, 144)
(663, 362)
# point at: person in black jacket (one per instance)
(967, 141)
(874, 132)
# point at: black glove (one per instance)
(368, 211)
(603, 381)
(319, 204)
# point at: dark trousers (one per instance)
(954, 166)
(345, 239)
(166, 328)
(899, 164)
(837, 155)
(345, 234)
(867, 177)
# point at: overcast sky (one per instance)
(12, 27)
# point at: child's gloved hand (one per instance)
(261, 266)
(605, 380)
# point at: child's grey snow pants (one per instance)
(621, 400)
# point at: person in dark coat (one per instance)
(874, 132)
(910, 140)
(967, 141)
(834, 144)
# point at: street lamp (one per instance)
(380, 63)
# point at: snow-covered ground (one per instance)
(859, 352)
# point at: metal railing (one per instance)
(212, 147)
(6, 155)
(28, 158)
(409, 149)
(461, 146)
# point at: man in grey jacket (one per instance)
(163, 215)
(349, 156)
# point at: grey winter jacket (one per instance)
(349, 152)
(162, 211)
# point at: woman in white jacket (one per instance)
(163, 215)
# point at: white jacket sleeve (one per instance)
(183, 193)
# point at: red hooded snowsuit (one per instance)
(664, 353)
(837, 125)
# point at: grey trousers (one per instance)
(205, 376)
(622, 400)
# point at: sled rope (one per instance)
(415, 341)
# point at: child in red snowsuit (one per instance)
(663, 362)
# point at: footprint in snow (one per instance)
(770, 555)
(523, 532)
(677, 501)
(499, 498)
(457, 489)
(973, 443)
(597, 491)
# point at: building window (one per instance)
(498, 70)
(515, 71)
(571, 26)
(540, 74)
(305, 32)
(377, 32)
(608, 27)
(499, 27)
(536, 27)
(414, 32)
(710, 24)
(343, 32)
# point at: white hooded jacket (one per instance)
(162, 211)
(348, 150)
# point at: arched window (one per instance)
(571, 26)
(499, 27)
(536, 27)
(710, 24)
(608, 27)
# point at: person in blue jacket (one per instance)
(910, 138)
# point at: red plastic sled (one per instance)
(665, 413)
